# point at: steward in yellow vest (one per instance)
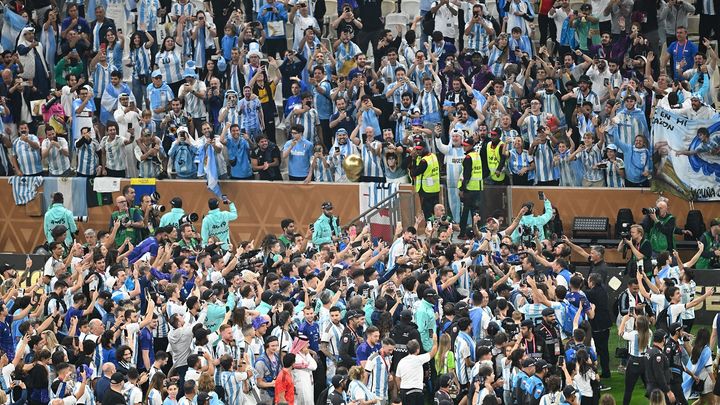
(425, 170)
(470, 184)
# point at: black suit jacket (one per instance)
(103, 28)
(240, 76)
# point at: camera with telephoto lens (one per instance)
(527, 235)
(649, 211)
(158, 207)
(191, 217)
(81, 218)
(248, 260)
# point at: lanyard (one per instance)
(683, 49)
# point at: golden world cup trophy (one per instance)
(353, 166)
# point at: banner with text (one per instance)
(686, 164)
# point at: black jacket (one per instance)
(598, 295)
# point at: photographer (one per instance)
(188, 238)
(130, 218)
(660, 227)
(710, 256)
(56, 215)
(217, 223)
(151, 215)
(533, 222)
(175, 215)
(641, 251)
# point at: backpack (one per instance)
(663, 319)
(570, 312)
(60, 303)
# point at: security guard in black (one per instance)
(657, 368)
(548, 333)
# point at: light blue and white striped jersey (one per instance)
(454, 156)
(249, 115)
(159, 96)
(628, 127)
(708, 7)
(154, 397)
(613, 178)
(114, 56)
(567, 176)
(87, 158)
(584, 124)
(531, 124)
(497, 66)
(396, 97)
(417, 75)
(464, 282)
(345, 53)
(428, 102)
(194, 105)
(372, 163)
(232, 116)
(479, 39)
(519, 160)
(101, 78)
(147, 14)
(543, 157)
(590, 97)
(140, 58)
(25, 188)
(464, 348)
(589, 158)
(321, 173)
(29, 159)
(508, 136)
(387, 73)
(170, 65)
(114, 153)
(408, 52)
(551, 104)
(187, 10)
(150, 167)
(633, 346)
(309, 120)
(232, 382)
(378, 369)
(403, 122)
(88, 398)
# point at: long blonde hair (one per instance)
(443, 348)
(50, 340)
(642, 325)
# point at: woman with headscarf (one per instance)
(303, 369)
(32, 57)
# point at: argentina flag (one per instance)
(13, 23)
(74, 189)
(207, 166)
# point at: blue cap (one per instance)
(190, 73)
(612, 146)
(156, 73)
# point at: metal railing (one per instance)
(399, 206)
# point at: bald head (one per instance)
(96, 327)
(108, 369)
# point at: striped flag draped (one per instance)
(13, 23)
(74, 189)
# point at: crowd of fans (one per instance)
(154, 311)
(570, 109)
(165, 313)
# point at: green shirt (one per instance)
(127, 231)
(56, 215)
(63, 68)
(172, 217)
(425, 320)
